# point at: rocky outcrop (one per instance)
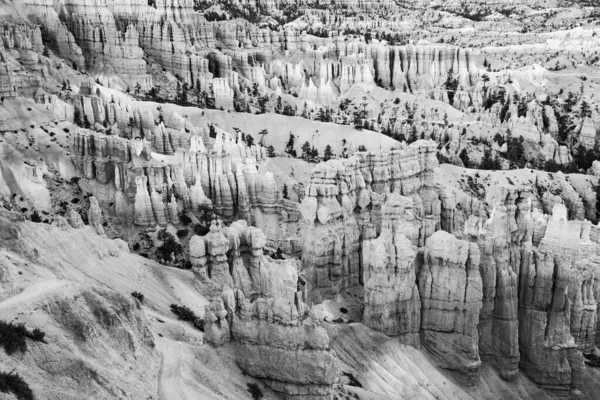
(344, 201)
(392, 301)
(450, 286)
(274, 336)
(95, 216)
(557, 311)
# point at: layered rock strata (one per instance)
(275, 336)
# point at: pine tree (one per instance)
(362, 148)
(585, 110)
(305, 150)
(271, 151)
(487, 161)
(138, 89)
(413, 134)
(464, 157)
(285, 192)
(77, 117)
(328, 154)
(289, 146)
(314, 153)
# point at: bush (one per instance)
(255, 391)
(12, 382)
(12, 337)
(36, 335)
(186, 314)
(139, 296)
(169, 246)
(182, 233)
(35, 217)
(184, 219)
(201, 230)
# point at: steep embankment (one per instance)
(100, 342)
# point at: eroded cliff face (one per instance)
(343, 206)
(275, 335)
(468, 277)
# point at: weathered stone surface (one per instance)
(392, 301)
(450, 287)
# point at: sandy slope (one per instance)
(102, 344)
(388, 370)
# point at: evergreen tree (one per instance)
(413, 134)
(314, 153)
(487, 161)
(270, 151)
(138, 89)
(77, 117)
(585, 111)
(289, 146)
(305, 111)
(464, 158)
(288, 110)
(328, 154)
(306, 150)
(285, 192)
(362, 148)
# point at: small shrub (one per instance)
(139, 296)
(182, 233)
(184, 219)
(201, 230)
(255, 391)
(36, 335)
(186, 314)
(35, 217)
(187, 264)
(12, 382)
(343, 310)
(136, 246)
(169, 246)
(352, 381)
(13, 337)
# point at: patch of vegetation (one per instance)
(184, 219)
(139, 296)
(201, 230)
(352, 381)
(186, 314)
(35, 217)
(13, 337)
(182, 233)
(169, 248)
(255, 391)
(11, 382)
